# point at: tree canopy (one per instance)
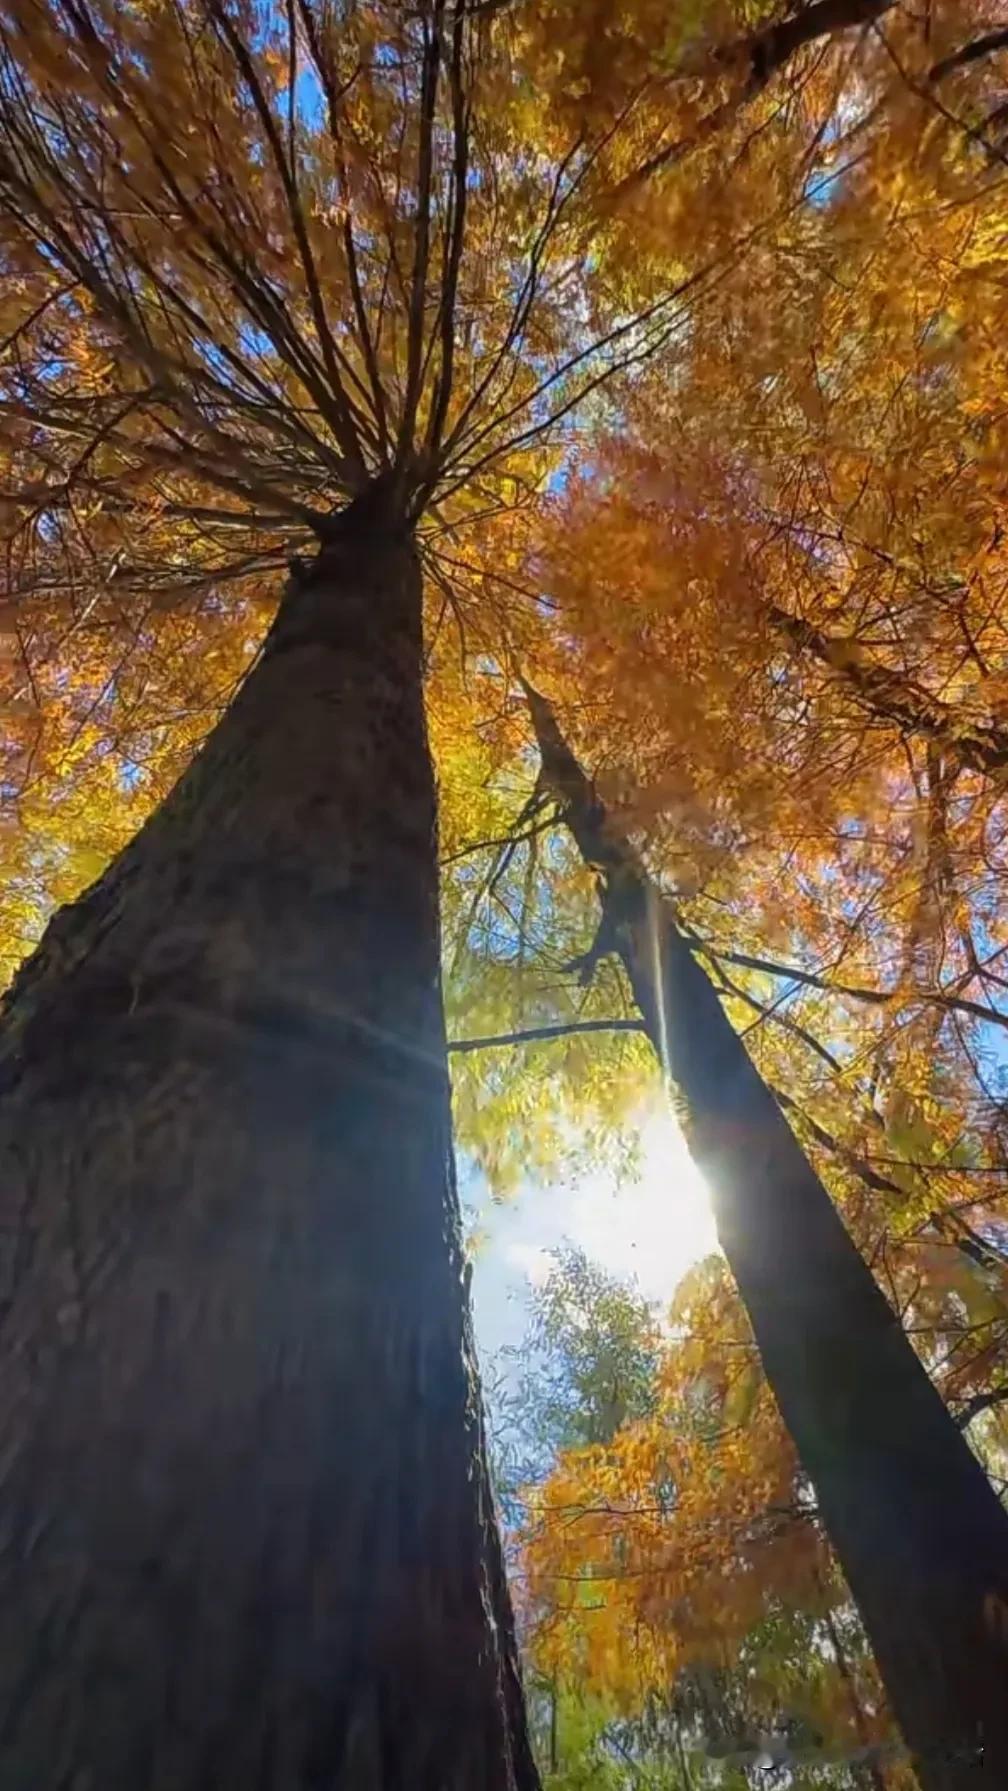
(679, 333)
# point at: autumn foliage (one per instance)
(679, 332)
(676, 1545)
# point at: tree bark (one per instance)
(247, 1537)
(916, 1526)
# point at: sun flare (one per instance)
(650, 1229)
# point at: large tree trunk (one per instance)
(247, 1539)
(917, 1528)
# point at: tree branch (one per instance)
(980, 1402)
(950, 1001)
(884, 693)
(973, 51)
(762, 56)
(533, 1034)
(421, 236)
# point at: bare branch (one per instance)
(421, 229)
(347, 419)
(950, 999)
(454, 237)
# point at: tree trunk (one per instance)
(917, 1528)
(248, 1543)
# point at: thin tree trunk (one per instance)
(917, 1528)
(247, 1538)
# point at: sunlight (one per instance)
(650, 1230)
(654, 1228)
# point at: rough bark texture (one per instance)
(917, 1528)
(247, 1539)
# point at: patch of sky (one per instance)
(309, 97)
(825, 178)
(49, 525)
(131, 775)
(648, 1228)
(821, 189)
(253, 340)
